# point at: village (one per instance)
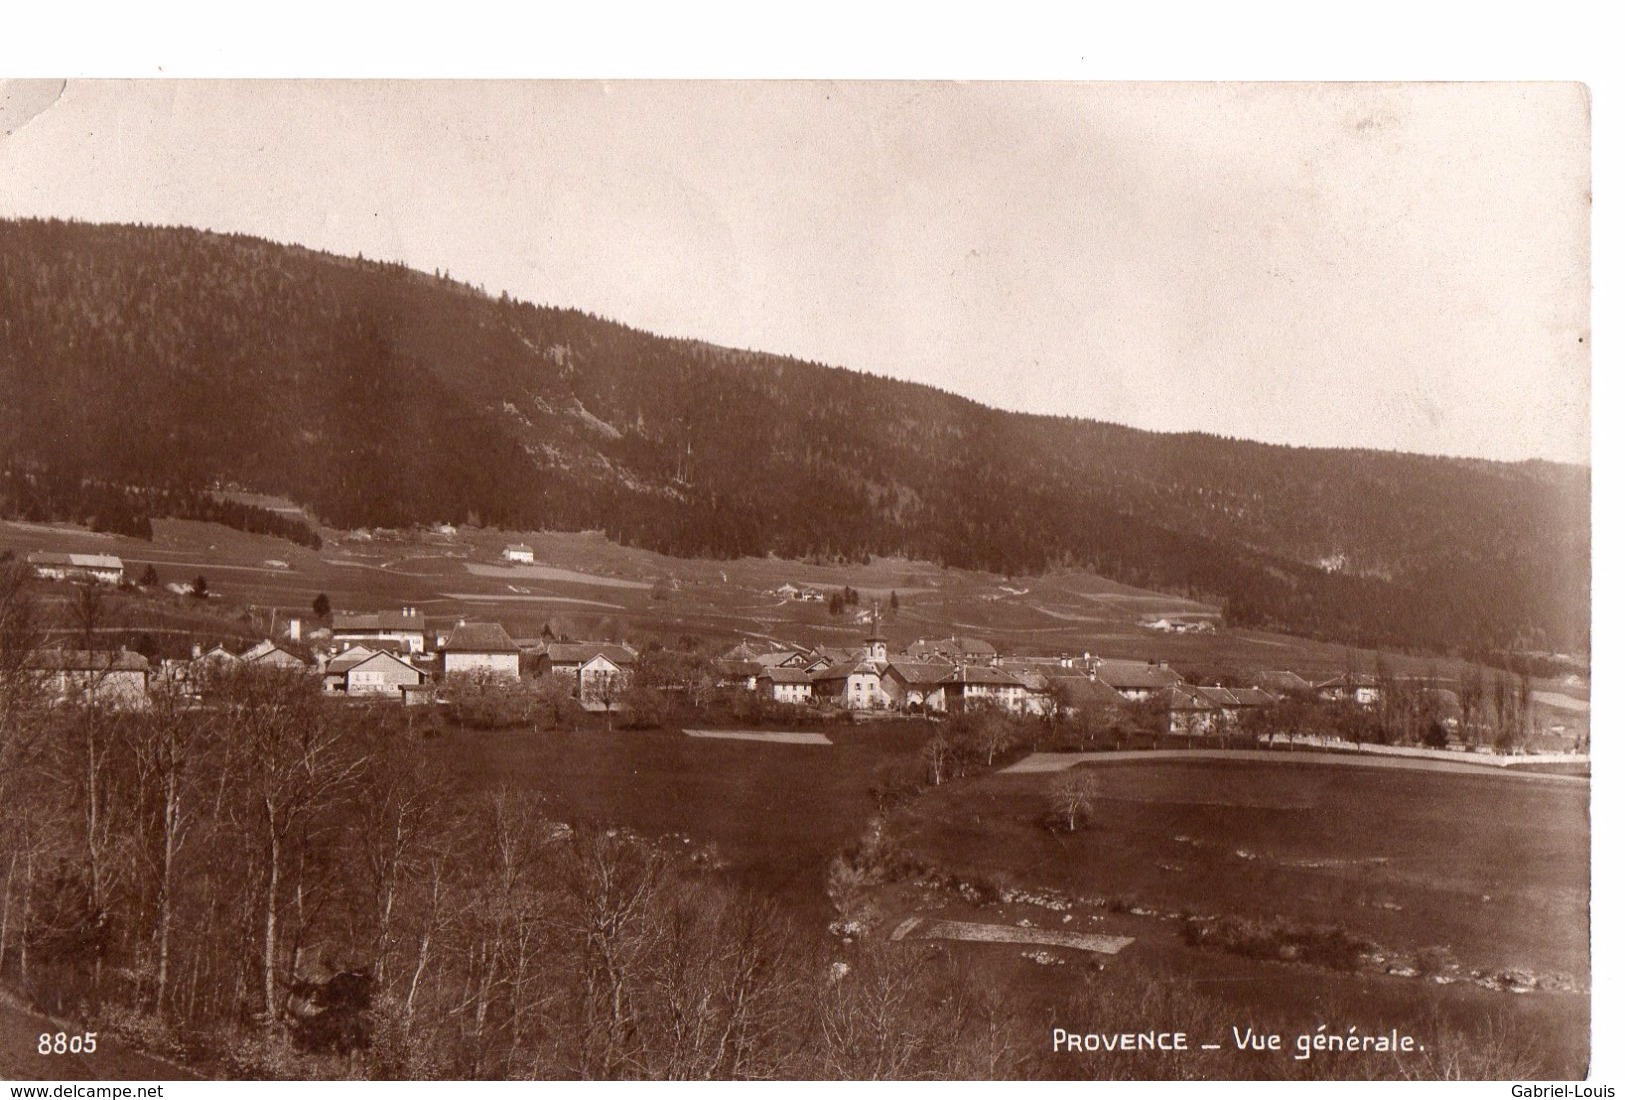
(396, 655)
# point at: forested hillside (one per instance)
(377, 395)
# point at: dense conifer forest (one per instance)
(375, 395)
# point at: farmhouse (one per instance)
(216, 656)
(598, 671)
(737, 674)
(102, 568)
(1207, 711)
(480, 647)
(1134, 680)
(268, 654)
(116, 680)
(786, 684)
(970, 685)
(519, 554)
(1360, 687)
(402, 631)
(1284, 680)
(365, 672)
(854, 684)
(916, 685)
(1073, 693)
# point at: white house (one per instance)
(480, 647)
(598, 670)
(117, 680)
(785, 683)
(1134, 680)
(519, 554)
(970, 685)
(362, 672)
(402, 630)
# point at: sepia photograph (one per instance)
(795, 579)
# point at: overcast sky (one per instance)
(1392, 266)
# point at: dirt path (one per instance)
(926, 928)
(1060, 761)
(752, 735)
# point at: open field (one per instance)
(1495, 867)
(777, 812)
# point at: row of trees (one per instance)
(43, 494)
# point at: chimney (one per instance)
(197, 650)
(293, 630)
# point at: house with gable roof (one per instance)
(360, 672)
(116, 680)
(1134, 680)
(854, 683)
(101, 568)
(597, 670)
(402, 631)
(480, 647)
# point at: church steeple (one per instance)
(874, 646)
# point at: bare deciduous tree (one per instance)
(1072, 795)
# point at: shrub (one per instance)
(487, 701)
(1331, 946)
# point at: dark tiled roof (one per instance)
(1136, 675)
(349, 659)
(277, 655)
(780, 656)
(957, 647)
(83, 660)
(1284, 680)
(921, 673)
(480, 638)
(579, 653)
(981, 674)
(1253, 697)
(782, 675)
(1184, 697)
(844, 669)
(356, 622)
(342, 665)
(1083, 691)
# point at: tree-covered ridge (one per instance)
(377, 395)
